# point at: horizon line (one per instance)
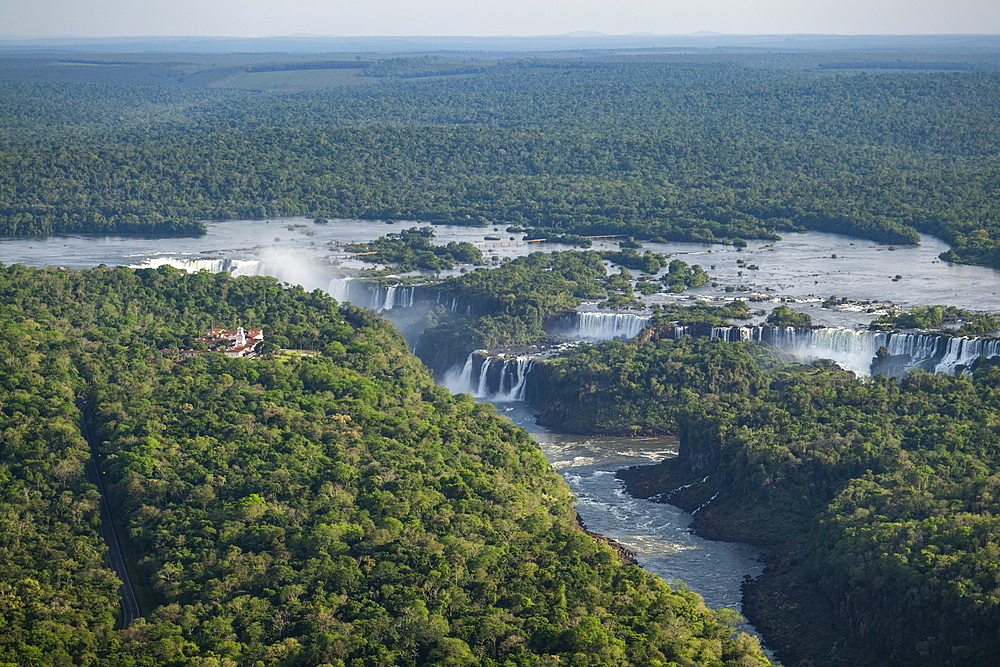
(577, 34)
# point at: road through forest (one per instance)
(130, 605)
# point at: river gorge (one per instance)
(801, 272)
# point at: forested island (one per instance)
(683, 148)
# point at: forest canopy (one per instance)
(642, 146)
(335, 509)
(879, 493)
(412, 249)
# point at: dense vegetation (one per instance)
(647, 262)
(629, 388)
(697, 313)
(509, 304)
(785, 316)
(654, 146)
(337, 509)
(680, 276)
(515, 302)
(882, 493)
(57, 595)
(934, 317)
(341, 510)
(411, 249)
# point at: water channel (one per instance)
(805, 268)
(658, 533)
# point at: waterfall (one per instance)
(339, 289)
(491, 378)
(593, 326)
(482, 386)
(365, 294)
(360, 293)
(406, 296)
(395, 296)
(452, 303)
(850, 349)
(443, 298)
(683, 330)
(287, 267)
(237, 267)
(858, 351)
(386, 297)
(378, 298)
(465, 377)
(963, 351)
(514, 378)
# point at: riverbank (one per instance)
(798, 623)
(624, 555)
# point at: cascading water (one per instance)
(237, 267)
(340, 289)
(451, 301)
(365, 294)
(506, 377)
(361, 293)
(595, 326)
(492, 378)
(858, 351)
(514, 379)
(292, 268)
(960, 352)
(392, 296)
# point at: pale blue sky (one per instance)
(254, 18)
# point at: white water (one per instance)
(658, 533)
(365, 294)
(849, 349)
(505, 377)
(594, 326)
(802, 267)
(340, 289)
(286, 265)
(491, 378)
(237, 267)
(856, 350)
(452, 302)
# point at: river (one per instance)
(805, 268)
(658, 533)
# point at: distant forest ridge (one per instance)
(718, 148)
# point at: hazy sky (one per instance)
(254, 18)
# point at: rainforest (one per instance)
(327, 504)
(876, 496)
(330, 509)
(679, 148)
